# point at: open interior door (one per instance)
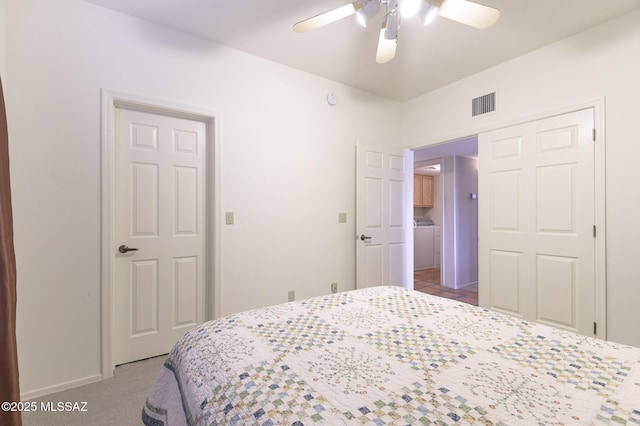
(384, 194)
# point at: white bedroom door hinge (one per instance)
(594, 231)
(595, 328)
(594, 134)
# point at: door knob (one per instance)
(364, 237)
(124, 249)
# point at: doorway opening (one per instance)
(546, 181)
(453, 217)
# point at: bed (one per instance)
(391, 356)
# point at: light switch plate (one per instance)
(229, 218)
(342, 218)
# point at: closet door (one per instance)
(536, 215)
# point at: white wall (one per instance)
(448, 228)
(466, 212)
(288, 168)
(459, 222)
(601, 62)
(3, 40)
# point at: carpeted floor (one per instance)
(113, 402)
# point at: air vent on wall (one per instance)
(483, 104)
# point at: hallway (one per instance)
(428, 281)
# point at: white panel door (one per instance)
(159, 212)
(384, 251)
(536, 210)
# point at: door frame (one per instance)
(600, 273)
(110, 100)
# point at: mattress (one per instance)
(391, 356)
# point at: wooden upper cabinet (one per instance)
(417, 190)
(422, 191)
(427, 191)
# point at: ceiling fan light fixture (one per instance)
(386, 46)
(368, 11)
(410, 8)
(391, 26)
(463, 11)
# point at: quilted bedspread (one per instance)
(390, 356)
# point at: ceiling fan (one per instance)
(463, 11)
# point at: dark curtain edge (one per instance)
(9, 385)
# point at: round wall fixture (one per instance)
(332, 99)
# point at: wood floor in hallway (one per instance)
(428, 281)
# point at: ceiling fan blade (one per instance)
(386, 46)
(469, 13)
(327, 17)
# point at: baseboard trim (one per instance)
(462, 286)
(467, 285)
(26, 396)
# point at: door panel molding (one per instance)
(384, 212)
(511, 150)
(110, 100)
(557, 141)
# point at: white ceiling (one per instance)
(427, 57)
